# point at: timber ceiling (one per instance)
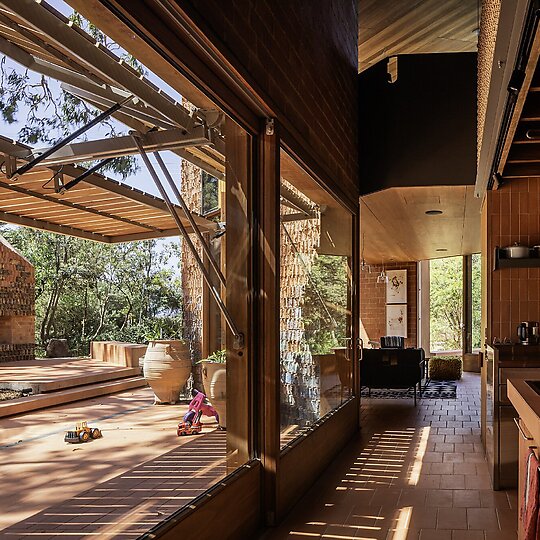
(97, 208)
(390, 27)
(396, 228)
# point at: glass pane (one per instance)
(315, 301)
(446, 304)
(210, 193)
(476, 301)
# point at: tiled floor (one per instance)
(413, 473)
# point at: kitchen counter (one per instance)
(499, 433)
(527, 405)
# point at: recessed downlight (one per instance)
(433, 212)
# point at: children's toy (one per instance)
(191, 423)
(82, 433)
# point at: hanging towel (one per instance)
(529, 506)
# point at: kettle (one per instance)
(528, 332)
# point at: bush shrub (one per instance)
(445, 368)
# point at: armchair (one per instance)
(392, 368)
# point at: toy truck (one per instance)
(82, 433)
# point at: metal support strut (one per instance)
(99, 118)
(85, 174)
(238, 336)
(185, 208)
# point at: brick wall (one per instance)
(512, 216)
(17, 319)
(302, 57)
(373, 302)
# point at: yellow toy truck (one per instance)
(82, 433)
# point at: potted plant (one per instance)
(214, 374)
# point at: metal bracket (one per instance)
(64, 187)
(10, 164)
(270, 126)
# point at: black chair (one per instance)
(392, 368)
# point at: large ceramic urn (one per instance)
(167, 366)
(215, 387)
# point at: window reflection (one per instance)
(315, 314)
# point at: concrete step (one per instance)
(42, 401)
(70, 381)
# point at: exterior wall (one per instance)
(513, 294)
(373, 303)
(17, 317)
(302, 58)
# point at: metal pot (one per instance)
(517, 251)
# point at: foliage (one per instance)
(476, 300)
(325, 309)
(87, 291)
(217, 357)
(210, 196)
(445, 368)
(51, 114)
(446, 302)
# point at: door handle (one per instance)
(360, 343)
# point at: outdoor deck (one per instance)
(116, 486)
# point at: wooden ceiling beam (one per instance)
(524, 153)
(124, 146)
(521, 170)
(117, 239)
(51, 227)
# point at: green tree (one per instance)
(47, 113)
(325, 310)
(87, 291)
(446, 301)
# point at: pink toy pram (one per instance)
(191, 423)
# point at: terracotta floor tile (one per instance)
(467, 535)
(500, 535)
(440, 498)
(407, 509)
(482, 518)
(454, 481)
(451, 518)
(435, 534)
(478, 482)
(465, 468)
(493, 499)
(466, 498)
(441, 468)
(507, 519)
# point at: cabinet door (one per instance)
(508, 448)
